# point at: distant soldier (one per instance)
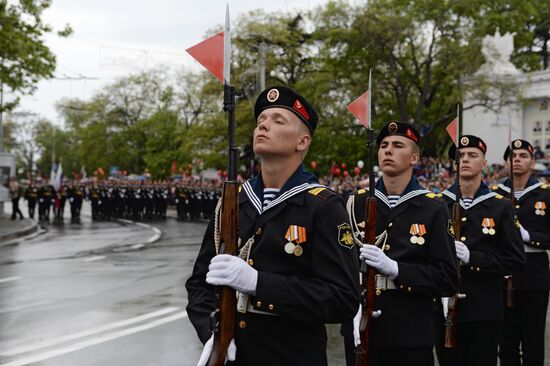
(76, 195)
(15, 193)
(46, 196)
(31, 195)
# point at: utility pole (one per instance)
(1, 116)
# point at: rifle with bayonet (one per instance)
(510, 288)
(452, 313)
(222, 320)
(368, 275)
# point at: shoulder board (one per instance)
(544, 186)
(321, 192)
(434, 195)
(494, 188)
(361, 191)
(240, 188)
(499, 196)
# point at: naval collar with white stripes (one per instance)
(413, 189)
(300, 181)
(483, 193)
(532, 183)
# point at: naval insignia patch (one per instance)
(451, 228)
(345, 237)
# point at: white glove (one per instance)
(445, 302)
(376, 258)
(524, 234)
(232, 271)
(357, 323)
(207, 350)
(462, 252)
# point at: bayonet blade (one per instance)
(227, 48)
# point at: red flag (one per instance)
(359, 108)
(209, 53)
(452, 130)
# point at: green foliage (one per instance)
(24, 57)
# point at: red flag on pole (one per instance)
(359, 108)
(209, 53)
(452, 130)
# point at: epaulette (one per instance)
(361, 191)
(499, 196)
(321, 192)
(434, 195)
(494, 188)
(544, 186)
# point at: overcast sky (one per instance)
(117, 37)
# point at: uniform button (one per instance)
(251, 262)
(387, 247)
(409, 289)
(401, 287)
(477, 269)
(259, 231)
(538, 243)
(242, 324)
(463, 219)
(259, 304)
(390, 224)
(462, 238)
(517, 206)
(271, 307)
(472, 268)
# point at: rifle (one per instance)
(452, 314)
(222, 320)
(510, 279)
(368, 286)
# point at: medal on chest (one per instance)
(488, 225)
(295, 235)
(540, 207)
(417, 231)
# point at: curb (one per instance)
(8, 239)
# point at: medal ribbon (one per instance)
(540, 205)
(417, 229)
(296, 233)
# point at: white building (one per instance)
(528, 112)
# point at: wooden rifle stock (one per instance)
(223, 318)
(451, 320)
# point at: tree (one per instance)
(24, 57)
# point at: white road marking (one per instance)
(103, 328)
(9, 279)
(93, 259)
(100, 339)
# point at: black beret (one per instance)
(519, 145)
(468, 141)
(284, 97)
(399, 129)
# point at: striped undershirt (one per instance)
(467, 201)
(518, 194)
(269, 195)
(392, 199)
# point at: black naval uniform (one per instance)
(45, 197)
(524, 324)
(31, 195)
(295, 294)
(490, 233)
(403, 334)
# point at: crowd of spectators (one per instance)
(434, 174)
